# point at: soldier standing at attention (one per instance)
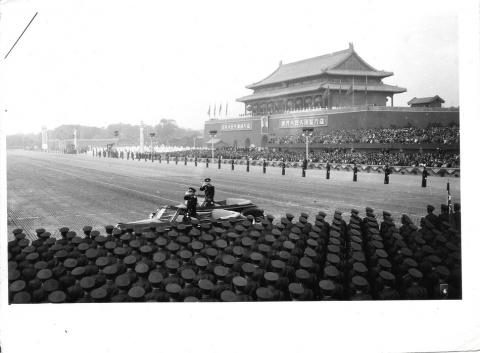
(209, 190)
(387, 174)
(424, 177)
(328, 170)
(355, 171)
(191, 203)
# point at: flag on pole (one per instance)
(215, 110)
(226, 108)
(209, 110)
(220, 110)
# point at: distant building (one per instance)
(433, 102)
(339, 79)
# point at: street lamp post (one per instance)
(307, 132)
(152, 135)
(213, 133)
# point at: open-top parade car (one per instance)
(231, 208)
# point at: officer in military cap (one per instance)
(387, 172)
(264, 164)
(424, 177)
(328, 170)
(191, 202)
(355, 171)
(304, 167)
(232, 162)
(209, 190)
(431, 217)
(282, 165)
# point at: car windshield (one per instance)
(166, 214)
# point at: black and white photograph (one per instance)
(182, 157)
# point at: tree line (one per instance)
(167, 132)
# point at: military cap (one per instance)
(238, 251)
(254, 233)
(44, 274)
(381, 253)
(334, 249)
(211, 252)
(451, 247)
(288, 245)
(306, 262)
(136, 292)
(50, 285)
(256, 257)
(83, 247)
(188, 274)
(384, 263)
(207, 238)
(111, 270)
(331, 272)
(78, 271)
(239, 282)
(102, 261)
(334, 241)
(302, 220)
(430, 208)
(334, 233)
(410, 262)
(284, 255)
(264, 293)
(201, 262)
(32, 257)
(443, 272)
(387, 276)
(70, 263)
(359, 282)
(326, 286)
(17, 286)
(28, 273)
(239, 228)
(27, 249)
(296, 289)
(289, 216)
(87, 229)
(333, 259)
(406, 252)
(155, 277)
(22, 298)
(355, 246)
(91, 253)
(161, 241)
(434, 259)
(40, 231)
(271, 277)
(17, 231)
(13, 274)
(173, 246)
(415, 273)
(228, 296)
(205, 285)
(359, 267)
(123, 280)
(130, 260)
(196, 245)
(284, 221)
(39, 265)
(220, 271)
(120, 252)
(293, 237)
(34, 283)
(248, 268)
(302, 275)
(247, 242)
(125, 237)
(99, 294)
(228, 260)
(190, 299)
(310, 253)
(87, 283)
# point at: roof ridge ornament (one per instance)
(350, 45)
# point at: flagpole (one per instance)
(366, 90)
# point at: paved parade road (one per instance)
(52, 190)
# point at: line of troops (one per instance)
(348, 259)
(157, 156)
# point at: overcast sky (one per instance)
(101, 62)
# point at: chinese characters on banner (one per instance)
(303, 122)
(244, 125)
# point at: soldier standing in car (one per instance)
(209, 190)
(191, 199)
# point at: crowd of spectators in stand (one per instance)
(430, 159)
(409, 135)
